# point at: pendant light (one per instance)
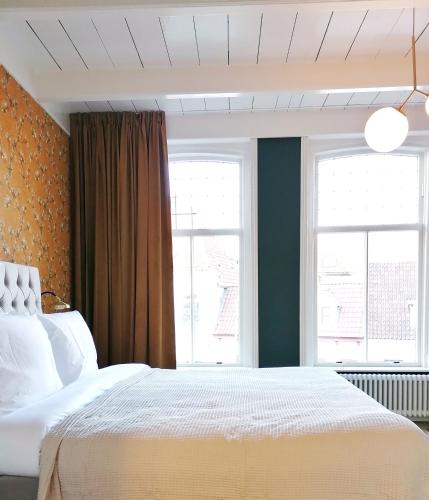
(387, 128)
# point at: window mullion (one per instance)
(191, 258)
(366, 296)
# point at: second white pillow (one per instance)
(72, 344)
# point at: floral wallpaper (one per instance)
(34, 188)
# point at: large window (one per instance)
(208, 256)
(367, 245)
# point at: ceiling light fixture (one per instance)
(387, 128)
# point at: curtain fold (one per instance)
(122, 244)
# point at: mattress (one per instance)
(296, 433)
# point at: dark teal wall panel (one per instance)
(279, 185)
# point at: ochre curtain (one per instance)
(122, 246)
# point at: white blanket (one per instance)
(22, 432)
(290, 433)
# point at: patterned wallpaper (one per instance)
(34, 188)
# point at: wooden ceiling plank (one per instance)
(284, 100)
(241, 103)
(197, 104)
(244, 37)
(338, 99)
(398, 40)
(145, 105)
(98, 106)
(362, 98)
(276, 36)
(180, 39)
(313, 100)
(59, 44)
(87, 41)
(308, 35)
(149, 41)
(116, 38)
(169, 105)
(212, 35)
(265, 101)
(217, 104)
(377, 26)
(343, 30)
(123, 105)
(390, 97)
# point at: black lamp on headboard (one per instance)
(60, 305)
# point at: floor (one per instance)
(424, 426)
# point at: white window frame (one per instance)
(311, 151)
(244, 152)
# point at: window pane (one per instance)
(392, 296)
(341, 275)
(208, 317)
(216, 299)
(205, 194)
(182, 298)
(368, 189)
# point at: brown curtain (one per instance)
(122, 246)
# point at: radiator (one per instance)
(406, 394)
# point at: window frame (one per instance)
(245, 153)
(313, 150)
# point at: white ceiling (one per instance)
(81, 44)
(119, 40)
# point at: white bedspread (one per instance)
(291, 433)
(22, 432)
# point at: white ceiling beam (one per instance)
(52, 9)
(297, 123)
(322, 77)
(281, 124)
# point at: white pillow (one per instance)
(72, 344)
(27, 366)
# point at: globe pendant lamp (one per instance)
(387, 128)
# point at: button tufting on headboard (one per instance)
(19, 289)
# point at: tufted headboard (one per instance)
(19, 289)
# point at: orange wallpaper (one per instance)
(34, 188)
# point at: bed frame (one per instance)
(19, 293)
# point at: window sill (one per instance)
(380, 369)
(209, 367)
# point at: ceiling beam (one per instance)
(294, 123)
(12, 10)
(301, 123)
(320, 77)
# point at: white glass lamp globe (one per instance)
(427, 105)
(386, 130)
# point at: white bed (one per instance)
(219, 434)
(295, 433)
(130, 432)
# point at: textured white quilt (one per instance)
(287, 433)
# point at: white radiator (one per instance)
(406, 394)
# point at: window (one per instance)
(210, 253)
(365, 239)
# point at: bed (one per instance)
(130, 431)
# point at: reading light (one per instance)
(60, 305)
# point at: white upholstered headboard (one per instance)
(19, 289)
